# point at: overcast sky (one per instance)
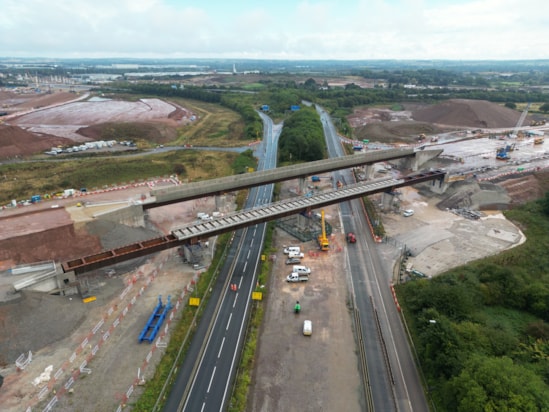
(276, 29)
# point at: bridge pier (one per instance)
(369, 171)
(302, 185)
(439, 186)
(387, 200)
(220, 202)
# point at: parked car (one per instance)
(293, 261)
(408, 213)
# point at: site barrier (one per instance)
(94, 340)
(22, 361)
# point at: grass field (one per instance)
(22, 180)
(215, 126)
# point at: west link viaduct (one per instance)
(192, 233)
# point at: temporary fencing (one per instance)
(160, 342)
(94, 340)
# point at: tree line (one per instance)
(481, 330)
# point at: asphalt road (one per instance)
(205, 378)
(393, 376)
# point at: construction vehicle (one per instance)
(502, 154)
(323, 241)
(351, 238)
(538, 140)
(516, 133)
(316, 178)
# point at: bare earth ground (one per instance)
(406, 125)
(325, 363)
(307, 373)
(39, 122)
(55, 327)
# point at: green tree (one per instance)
(544, 107)
(510, 105)
(439, 345)
(496, 384)
(179, 169)
(302, 138)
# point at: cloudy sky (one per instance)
(276, 29)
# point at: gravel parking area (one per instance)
(307, 373)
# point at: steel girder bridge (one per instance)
(195, 232)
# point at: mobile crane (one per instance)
(323, 241)
(516, 133)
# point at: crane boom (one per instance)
(323, 241)
(520, 121)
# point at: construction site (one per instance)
(95, 325)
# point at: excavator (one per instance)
(323, 241)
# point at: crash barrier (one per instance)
(156, 320)
(395, 297)
(91, 344)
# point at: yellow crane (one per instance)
(323, 241)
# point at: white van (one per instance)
(408, 213)
(299, 255)
(307, 328)
(302, 270)
(291, 249)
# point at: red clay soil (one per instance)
(48, 235)
(16, 142)
(525, 188)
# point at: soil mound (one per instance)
(17, 142)
(394, 131)
(151, 132)
(469, 113)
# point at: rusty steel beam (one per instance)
(204, 230)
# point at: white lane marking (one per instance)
(229, 321)
(221, 347)
(235, 298)
(211, 380)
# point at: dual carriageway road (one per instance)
(391, 380)
(204, 381)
